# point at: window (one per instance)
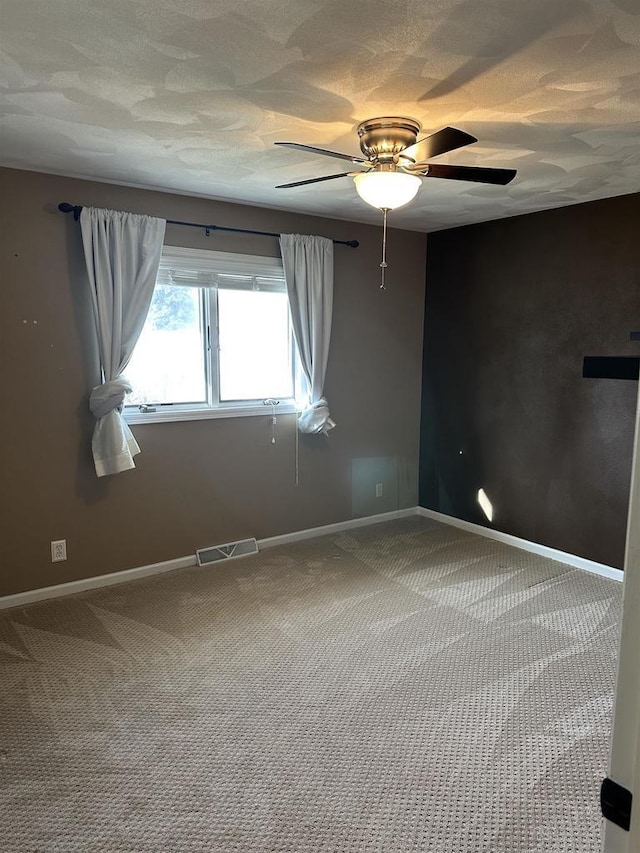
(217, 340)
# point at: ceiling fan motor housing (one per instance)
(382, 139)
(391, 147)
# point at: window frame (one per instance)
(205, 267)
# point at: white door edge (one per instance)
(624, 759)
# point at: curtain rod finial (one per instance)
(76, 209)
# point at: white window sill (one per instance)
(166, 414)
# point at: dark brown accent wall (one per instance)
(512, 307)
(202, 482)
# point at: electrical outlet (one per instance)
(378, 490)
(58, 550)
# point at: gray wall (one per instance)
(201, 482)
(511, 308)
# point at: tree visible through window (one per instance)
(172, 308)
(214, 337)
(168, 364)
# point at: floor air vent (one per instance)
(216, 553)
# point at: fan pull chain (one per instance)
(383, 263)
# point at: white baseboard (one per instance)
(33, 595)
(338, 527)
(525, 545)
(30, 596)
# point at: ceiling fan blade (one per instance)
(478, 174)
(314, 180)
(447, 139)
(324, 151)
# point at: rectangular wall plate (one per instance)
(58, 550)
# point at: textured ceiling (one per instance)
(190, 95)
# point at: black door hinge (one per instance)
(615, 802)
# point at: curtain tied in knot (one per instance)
(108, 396)
(122, 254)
(315, 418)
(308, 273)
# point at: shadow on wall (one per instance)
(380, 484)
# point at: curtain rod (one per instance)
(76, 209)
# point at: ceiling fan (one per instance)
(391, 147)
(395, 161)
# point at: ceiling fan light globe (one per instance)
(387, 190)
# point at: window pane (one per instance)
(255, 348)
(168, 362)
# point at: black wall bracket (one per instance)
(611, 367)
(615, 802)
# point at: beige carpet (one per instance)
(404, 687)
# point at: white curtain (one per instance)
(122, 253)
(308, 272)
